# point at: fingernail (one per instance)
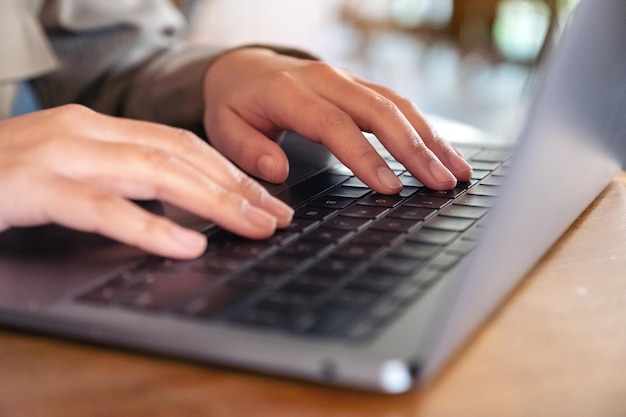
(441, 173)
(189, 239)
(460, 165)
(389, 179)
(257, 217)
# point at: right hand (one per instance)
(77, 168)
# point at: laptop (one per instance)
(362, 290)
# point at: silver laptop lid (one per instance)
(572, 144)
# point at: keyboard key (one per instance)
(332, 267)
(346, 223)
(412, 213)
(395, 225)
(304, 249)
(313, 213)
(380, 200)
(376, 238)
(356, 251)
(465, 212)
(331, 202)
(476, 200)
(324, 235)
(365, 212)
(309, 188)
(416, 250)
(433, 236)
(452, 224)
(487, 190)
(348, 192)
(396, 265)
(425, 201)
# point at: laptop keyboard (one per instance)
(350, 261)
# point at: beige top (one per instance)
(122, 57)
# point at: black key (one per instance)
(425, 201)
(409, 181)
(346, 223)
(433, 236)
(380, 200)
(408, 191)
(299, 225)
(282, 237)
(373, 281)
(494, 180)
(328, 201)
(220, 264)
(416, 250)
(395, 225)
(304, 249)
(444, 262)
(396, 265)
(365, 212)
(376, 238)
(465, 212)
(348, 192)
(324, 235)
(476, 200)
(332, 267)
(488, 190)
(412, 213)
(450, 194)
(452, 224)
(278, 264)
(461, 247)
(479, 174)
(356, 251)
(250, 248)
(313, 213)
(355, 182)
(309, 188)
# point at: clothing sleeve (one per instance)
(127, 61)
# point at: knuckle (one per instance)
(382, 106)
(282, 80)
(331, 120)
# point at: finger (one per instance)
(147, 173)
(189, 148)
(250, 149)
(78, 206)
(320, 120)
(450, 156)
(375, 113)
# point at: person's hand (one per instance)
(78, 168)
(252, 94)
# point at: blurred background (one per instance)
(470, 60)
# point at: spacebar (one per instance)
(309, 188)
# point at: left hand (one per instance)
(253, 94)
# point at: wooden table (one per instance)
(556, 348)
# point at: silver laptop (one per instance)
(362, 290)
